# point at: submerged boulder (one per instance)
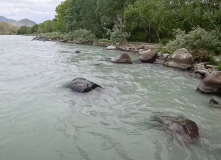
(211, 83)
(215, 102)
(82, 85)
(123, 58)
(181, 58)
(111, 47)
(180, 125)
(148, 57)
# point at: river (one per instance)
(42, 120)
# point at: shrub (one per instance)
(106, 41)
(219, 67)
(198, 42)
(138, 36)
(83, 35)
(213, 61)
(117, 35)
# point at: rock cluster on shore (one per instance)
(181, 58)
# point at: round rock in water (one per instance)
(111, 47)
(148, 57)
(77, 52)
(123, 58)
(82, 85)
(215, 102)
(186, 128)
(211, 83)
(181, 58)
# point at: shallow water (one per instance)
(42, 120)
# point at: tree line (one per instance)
(143, 20)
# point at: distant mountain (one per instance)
(6, 29)
(24, 22)
(4, 19)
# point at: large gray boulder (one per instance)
(148, 57)
(181, 58)
(211, 83)
(82, 85)
(180, 125)
(123, 58)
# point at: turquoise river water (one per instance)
(42, 120)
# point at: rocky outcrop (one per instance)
(161, 58)
(137, 47)
(82, 85)
(111, 47)
(180, 59)
(148, 57)
(123, 58)
(201, 70)
(185, 127)
(211, 83)
(142, 51)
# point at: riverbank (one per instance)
(200, 67)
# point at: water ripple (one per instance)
(40, 119)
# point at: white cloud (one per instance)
(36, 10)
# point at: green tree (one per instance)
(24, 30)
(46, 26)
(34, 29)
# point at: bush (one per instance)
(83, 35)
(198, 42)
(118, 36)
(219, 67)
(138, 36)
(105, 41)
(213, 61)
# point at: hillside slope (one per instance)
(24, 22)
(7, 29)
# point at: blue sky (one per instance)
(36, 10)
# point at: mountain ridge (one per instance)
(4, 19)
(22, 22)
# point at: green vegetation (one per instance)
(198, 42)
(81, 35)
(219, 67)
(194, 24)
(213, 61)
(24, 30)
(7, 29)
